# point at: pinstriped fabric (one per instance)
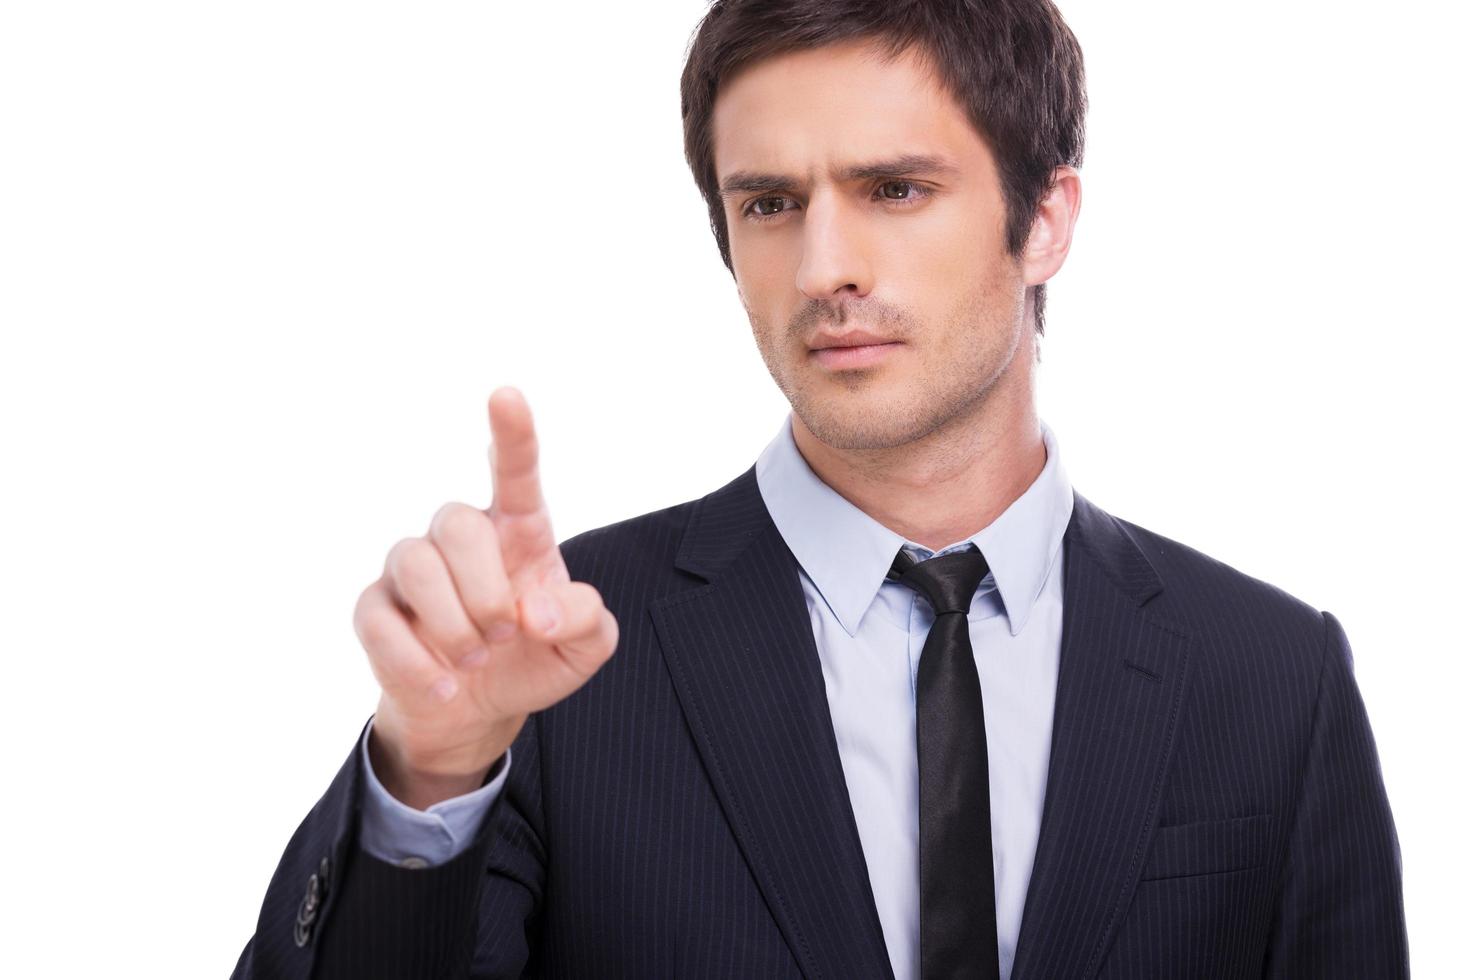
(1239, 880)
(1214, 809)
(409, 924)
(328, 831)
(646, 878)
(1343, 858)
(1122, 681)
(752, 689)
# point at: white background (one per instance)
(261, 264)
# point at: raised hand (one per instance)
(475, 625)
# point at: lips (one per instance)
(850, 358)
(852, 338)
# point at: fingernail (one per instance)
(475, 657)
(501, 632)
(542, 609)
(445, 688)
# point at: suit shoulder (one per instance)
(649, 540)
(1201, 591)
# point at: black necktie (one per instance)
(956, 871)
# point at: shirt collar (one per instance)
(847, 554)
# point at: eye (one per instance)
(754, 212)
(913, 193)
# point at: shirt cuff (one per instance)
(395, 832)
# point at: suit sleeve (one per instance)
(1340, 908)
(397, 833)
(334, 911)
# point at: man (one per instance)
(830, 720)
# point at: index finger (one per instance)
(514, 455)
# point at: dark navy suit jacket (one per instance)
(1215, 805)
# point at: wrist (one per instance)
(420, 780)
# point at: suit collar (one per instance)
(747, 673)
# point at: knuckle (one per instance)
(466, 644)
(412, 562)
(454, 521)
(501, 629)
(493, 604)
(499, 610)
(372, 622)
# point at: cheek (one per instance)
(764, 286)
(971, 263)
(966, 245)
(760, 266)
(933, 254)
(935, 285)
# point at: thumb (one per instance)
(572, 616)
(541, 612)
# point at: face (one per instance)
(913, 256)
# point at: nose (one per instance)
(834, 255)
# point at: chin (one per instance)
(856, 420)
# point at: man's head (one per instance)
(785, 101)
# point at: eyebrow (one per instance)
(907, 165)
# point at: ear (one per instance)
(1050, 233)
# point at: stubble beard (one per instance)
(890, 406)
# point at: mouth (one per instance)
(852, 338)
(855, 356)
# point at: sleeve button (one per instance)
(313, 895)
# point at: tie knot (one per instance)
(948, 581)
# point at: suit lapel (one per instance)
(744, 663)
(1123, 676)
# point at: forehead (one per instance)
(814, 112)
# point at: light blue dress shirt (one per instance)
(869, 633)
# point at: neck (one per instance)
(952, 482)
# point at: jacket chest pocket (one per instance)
(1208, 847)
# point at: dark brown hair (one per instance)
(1013, 65)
